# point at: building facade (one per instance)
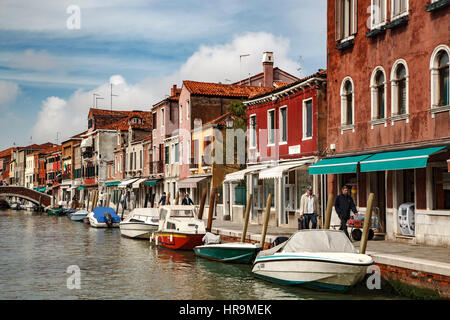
(388, 120)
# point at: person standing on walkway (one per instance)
(133, 200)
(123, 201)
(343, 204)
(162, 200)
(309, 207)
(186, 200)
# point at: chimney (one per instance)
(268, 69)
(173, 91)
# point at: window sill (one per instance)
(397, 21)
(344, 44)
(439, 109)
(347, 127)
(281, 143)
(306, 138)
(376, 31)
(437, 5)
(376, 122)
(399, 117)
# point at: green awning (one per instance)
(398, 160)
(40, 189)
(337, 165)
(115, 183)
(151, 182)
(80, 188)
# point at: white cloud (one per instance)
(210, 63)
(8, 92)
(34, 60)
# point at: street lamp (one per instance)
(229, 122)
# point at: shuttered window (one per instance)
(346, 18)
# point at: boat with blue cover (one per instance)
(104, 217)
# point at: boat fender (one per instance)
(108, 219)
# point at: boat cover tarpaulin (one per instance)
(319, 241)
(99, 214)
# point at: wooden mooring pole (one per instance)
(329, 211)
(202, 205)
(212, 199)
(246, 217)
(367, 223)
(266, 220)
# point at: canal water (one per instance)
(36, 250)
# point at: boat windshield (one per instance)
(181, 213)
(319, 241)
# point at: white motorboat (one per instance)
(140, 223)
(103, 217)
(79, 215)
(179, 228)
(319, 259)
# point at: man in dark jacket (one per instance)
(343, 204)
(187, 201)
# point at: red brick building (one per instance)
(388, 102)
(286, 129)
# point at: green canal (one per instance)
(36, 251)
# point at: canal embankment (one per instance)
(414, 270)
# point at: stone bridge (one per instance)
(27, 194)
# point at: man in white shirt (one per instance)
(309, 206)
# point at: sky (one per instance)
(56, 54)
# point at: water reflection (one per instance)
(37, 249)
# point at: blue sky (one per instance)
(48, 73)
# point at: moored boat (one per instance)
(56, 211)
(103, 217)
(179, 228)
(235, 252)
(4, 204)
(79, 215)
(318, 259)
(140, 223)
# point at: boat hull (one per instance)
(55, 212)
(137, 230)
(231, 253)
(178, 241)
(311, 273)
(78, 217)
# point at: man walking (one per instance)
(343, 204)
(162, 200)
(309, 206)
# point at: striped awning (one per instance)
(277, 172)
(137, 184)
(126, 183)
(191, 182)
(240, 175)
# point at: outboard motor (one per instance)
(108, 219)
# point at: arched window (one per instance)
(347, 102)
(378, 93)
(440, 91)
(399, 83)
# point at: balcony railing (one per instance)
(156, 167)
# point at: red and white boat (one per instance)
(179, 228)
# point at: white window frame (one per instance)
(253, 137)
(375, 9)
(120, 163)
(281, 125)
(340, 20)
(394, 89)
(400, 15)
(304, 137)
(269, 130)
(374, 94)
(181, 113)
(344, 122)
(435, 75)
